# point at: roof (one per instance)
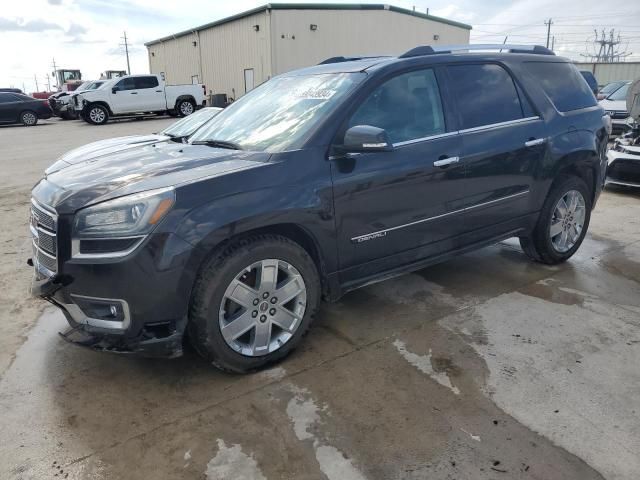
(311, 6)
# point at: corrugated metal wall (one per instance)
(610, 72)
(223, 52)
(352, 32)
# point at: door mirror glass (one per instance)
(365, 138)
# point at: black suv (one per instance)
(317, 182)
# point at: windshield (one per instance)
(280, 112)
(189, 124)
(84, 86)
(620, 94)
(611, 87)
(95, 85)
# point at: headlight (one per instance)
(129, 216)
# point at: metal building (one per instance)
(235, 54)
(611, 72)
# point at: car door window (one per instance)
(145, 82)
(6, 98)
(408, 107)
(125, 84)
(485, 94)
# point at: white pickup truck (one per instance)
(134, 94)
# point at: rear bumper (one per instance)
(623, 169)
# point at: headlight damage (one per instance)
(116, 227)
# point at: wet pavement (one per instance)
(488, 366)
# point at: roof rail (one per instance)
(432, 50)
(347, 59)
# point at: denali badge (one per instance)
(371, 236)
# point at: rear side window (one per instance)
(563, 84)
(145, 82)
(485, 94)
(408, 107)
(6, 98)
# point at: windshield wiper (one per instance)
(219, 144)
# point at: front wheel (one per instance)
(253, 303)
(97, 115)
(562, 224)
(28, 118)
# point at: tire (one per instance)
(96, 115)
(544, 247)
(212, 310)
(185, 107)
(28, 118)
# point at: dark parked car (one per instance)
(315, 183)
(20, 108)
(591, 80)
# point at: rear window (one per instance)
(563, 84)
(145, 82)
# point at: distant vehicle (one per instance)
(135, 94)
(10, 90)
(67, 79)
(21, 108)
(317, 182)
(616, 106)
(109, 74)
(176, 132)
(61, 104)
(591, 80)
(609, 88)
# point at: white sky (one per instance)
(85, 34)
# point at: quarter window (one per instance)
(408, 107)
(563, 84)
(485, 95)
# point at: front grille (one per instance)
(43, 225)
(618, 115)
(625, 171)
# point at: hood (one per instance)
(93, 150)
(138, 169)
(614, 105)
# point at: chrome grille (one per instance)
(43, 226)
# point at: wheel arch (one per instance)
(101, 103)
(185, 97)
(22, 112)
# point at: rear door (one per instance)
(503, 142)
(8, 107)
(150, 94)
(392, 207)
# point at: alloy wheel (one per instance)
(263, 307)
(97, 115)
(186, 108)
(567, 221)
(29, 118)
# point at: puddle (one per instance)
(424, 363)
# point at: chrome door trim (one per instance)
(382, 233)
(427, 138)
(492, 126)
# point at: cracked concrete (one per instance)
(544, 361)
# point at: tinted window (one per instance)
(125, 84)
(620, 94)
(407, 107)
(563, 84)
(485, 94)
(590, 79)
(6, 98)
(145, 82)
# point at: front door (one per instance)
(504, 142)
(123, 97)
(395, 207)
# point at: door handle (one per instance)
(158, 91)
(445, 162)
(534, 141)
(133, 93)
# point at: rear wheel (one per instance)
(97, 115)
(562, 224)
(253, 303)
(185, 107)
(28, 118)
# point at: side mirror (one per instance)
(114, 90)
(366, 138)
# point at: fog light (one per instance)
(101, 309)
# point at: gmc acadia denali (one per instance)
(317, 182)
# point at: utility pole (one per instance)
(35, 78)
(55, 73)
(48, 83)
(553, 43)
(548, 24)
(126, 51)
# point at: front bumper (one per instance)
(623, 169)
(151, 287)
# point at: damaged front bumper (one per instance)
(101, 334)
